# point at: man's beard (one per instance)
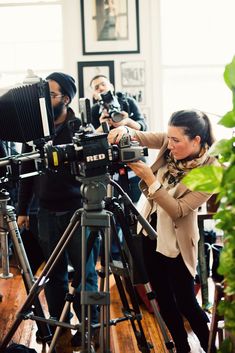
(57, 110)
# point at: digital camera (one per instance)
(110, 102)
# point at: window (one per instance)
(197, 40)
(30, 38)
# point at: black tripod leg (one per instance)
(101, 220)
(72, 293)
(120, 270)
(28, 278)
(137, 257)
(41, 281)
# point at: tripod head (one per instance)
(93, 191)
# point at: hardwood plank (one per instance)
(122, 335)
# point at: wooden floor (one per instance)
(122, 335)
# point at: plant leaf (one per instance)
(229, 74)
(205, 179)
(229, 175)
(228, 120)
(222, 147)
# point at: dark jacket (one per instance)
(57, 189)
(128, 105)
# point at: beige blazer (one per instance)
(182, 208)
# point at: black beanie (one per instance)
(66, 82)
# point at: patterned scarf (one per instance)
(176, 170)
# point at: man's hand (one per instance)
(127, 121)
(23, 221)
(104, 117)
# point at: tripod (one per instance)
(8, 224)
(93, 215)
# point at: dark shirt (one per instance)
(57, 189)
(131, 107)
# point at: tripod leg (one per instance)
(95, 219)
(120, 270)
(137, 257)
(4, 249)
(28, 278)
(39, 284)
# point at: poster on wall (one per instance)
(133, 73)
(133, 80)
(110, 26)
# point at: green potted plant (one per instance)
(221, 181)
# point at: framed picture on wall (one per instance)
(110, 26)
(133, 73)
(138, 93)
(87, 70)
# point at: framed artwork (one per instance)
(133, 73)
(138, 93)
(110, 26)
(87, 70)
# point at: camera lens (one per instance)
(116, 116)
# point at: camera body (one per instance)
(88, 155)
(110, 102)
(91, 155)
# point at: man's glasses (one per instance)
(56, 95)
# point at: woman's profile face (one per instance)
(181, 145)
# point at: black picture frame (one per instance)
(87, 70)
(120, 36)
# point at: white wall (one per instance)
(186, 71)
(149, 52)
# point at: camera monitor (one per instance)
(26, 113)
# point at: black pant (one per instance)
(174, 287)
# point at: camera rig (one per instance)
(89, 154)
(110, 102)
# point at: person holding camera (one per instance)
(59, 197)
(130, 114)
(172, 209)
(116, 110)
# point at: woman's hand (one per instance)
(143, 171)
(116, 134)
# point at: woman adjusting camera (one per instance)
(171, 265)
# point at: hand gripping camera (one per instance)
(90, 154)
(110, 102)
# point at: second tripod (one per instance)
(8, 226)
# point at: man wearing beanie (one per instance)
(59, 197)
